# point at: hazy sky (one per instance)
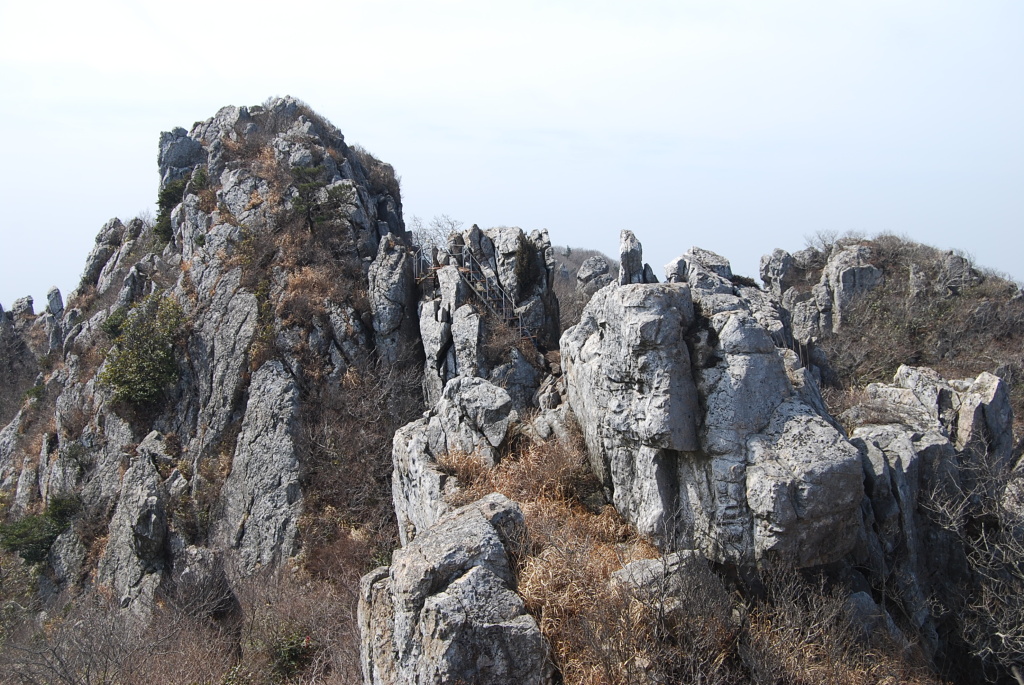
(738, 126)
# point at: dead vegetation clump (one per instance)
(346, 434)
(713, 628)
(801, 631)
(282, 627)
(380, 176)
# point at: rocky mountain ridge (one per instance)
(240, 387)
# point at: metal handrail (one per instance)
(493, 293)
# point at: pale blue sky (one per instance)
(738, 126)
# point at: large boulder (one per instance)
(630, 385)
(702, 433)
(446, 610)
(473, 417)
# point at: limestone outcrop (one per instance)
(473, 417)
(134, 556)
(924, 439)
(446, 609)
(814, 288)
(261, 498)
(488, 305)
(392, 293)
(696, 429)
(272, 231)
(297, 318)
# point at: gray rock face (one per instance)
(456, 319)
(847, 274)
(814, 291)
(178, 154)
(631, 259)
(54, 302)
(712, 261)
(18, 368)
(472, 417)
(23, 308)
(591, 268)
(392, 295)
(677, 584)
(921, 437)
(107, 241)
(138, 533)
(8, 452)
(224, 266)
(222, 335)
(594, 274)
(629, 382)
(446, 611)
(804, 483)
(261, 496)
(695, 427)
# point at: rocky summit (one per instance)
(274, 436)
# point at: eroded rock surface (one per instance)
(473, 417)
(695, 427)
(446, 609)
(488, 287)
(261, 496)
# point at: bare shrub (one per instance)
(984, 511)
(435, 233)
(958, 321)
(570, 554)
(346, 437)
(95, 641)
(381, 176)
(801, 633)
(604, 632)
(295, 629)
(571, 300)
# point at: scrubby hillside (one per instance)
(907, 304)
(275, 437)
(579, 274)
(219, 394)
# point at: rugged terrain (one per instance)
(273, 436)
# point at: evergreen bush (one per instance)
(141, 363)
(32, 536)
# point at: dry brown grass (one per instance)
(307, 290)
(959, 327)
(606, 633)
(535, 472)
(801, 633)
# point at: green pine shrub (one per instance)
(141, 364)
(169, 197)
(32, 536)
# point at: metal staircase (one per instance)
(484, 285)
